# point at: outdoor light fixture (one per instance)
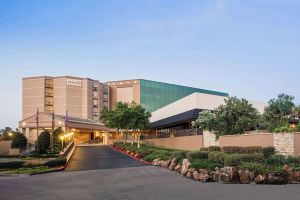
(59, 122)
(10, 134)
(23, 123)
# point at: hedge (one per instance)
(196, 155)
(242, 150)
(217, 157)
(237, 159)
(204, 164)
(56, 163)
(11, 165)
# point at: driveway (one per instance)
(99, 157)
(129, 183)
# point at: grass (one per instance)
(33, 170)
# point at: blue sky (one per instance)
(248, 48)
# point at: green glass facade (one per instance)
(155, 95)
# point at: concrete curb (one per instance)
(50, 171)
(145, 162)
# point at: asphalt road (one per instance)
(99, 157)
(133, 183)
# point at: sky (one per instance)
(248, 48)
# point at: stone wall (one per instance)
(209, 139)
(284, 143)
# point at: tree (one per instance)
(44, 142)
(19, 141)
(126, 117)
(56, 140)
(5, 133)
(234, 117)
(278, 111)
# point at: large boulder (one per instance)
(185, 166)
(294, 177)
(229, 175)
(155, 162)
(189, 175)
(196, 176)
(204, 175)
(246, 176)
(177, 168)
(259, 179)
(173, 164)
(166, 164)
(277, 179)
(215, 174)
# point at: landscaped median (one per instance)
(31, 165)
(227, 165)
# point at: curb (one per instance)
(50, 171)
(145, 162)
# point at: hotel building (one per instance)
(173, 107)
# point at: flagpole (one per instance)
(37, 130)
(52, 135)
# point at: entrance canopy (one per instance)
(45, 121)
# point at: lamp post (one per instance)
(62, 141)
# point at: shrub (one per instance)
(293, 161)
(268, 151)
(44, 142)
(276, 160)
(56, 163)
(216, 157)
(197, 155)
(19, 141)
(260, 168)
(242, 150)
(214, 148)
(11, 165)
(204, 164)
(237, 159)
(180, 155)
(282, 129)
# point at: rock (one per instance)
(276, 179)
(177, 168)
(215, 174)
(246, 177)
(173, 164)
(156, 162)
(185, 166)
(294, 177)
(228, 175)
(166, 164)
(160, 163)
(189, 175)
(196, 176)
(204, 175)
(192, 170)
(259, 179)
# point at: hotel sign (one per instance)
(74, 82)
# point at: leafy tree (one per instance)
(4, 133)
(44, 142)
(56, 140)
(234, 117)
(19, 141)
(278, 111)
(126, 117)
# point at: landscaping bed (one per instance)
(32, 165)
(244, 165)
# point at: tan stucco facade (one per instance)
(124, 91)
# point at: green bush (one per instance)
(260, 168)
(19, 141)
(276, 160)
(44, 142)
(293, 161)
(214, 148)
(237, 159)
(268, 151)
(11, 165)
(204, 164)
(282, 129)
(197, 155)
(56, 163)
(242, 150)
(180, 155)
(217, 157)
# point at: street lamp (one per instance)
(62, 141)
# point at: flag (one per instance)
(37, 129)
(53, 121)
